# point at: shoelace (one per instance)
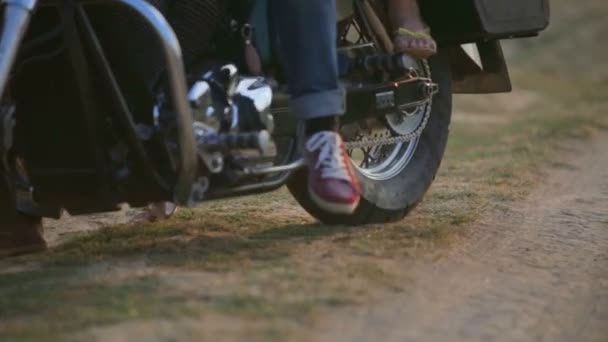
(330, 160)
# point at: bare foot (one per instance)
(411, 34)
(417, 43)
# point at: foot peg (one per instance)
(260, 141)
(372, 63)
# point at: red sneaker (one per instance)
(332, 183)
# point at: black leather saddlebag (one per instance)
(465, 21)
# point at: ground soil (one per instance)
(537, 271)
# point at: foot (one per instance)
(22, 236)
(332, 183)
(415, 40)
(410, 33)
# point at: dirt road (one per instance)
(538, 271)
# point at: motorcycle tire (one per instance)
(390, 200)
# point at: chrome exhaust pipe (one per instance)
(17, 15)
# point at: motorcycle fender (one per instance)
(468, 21)
(479, 68)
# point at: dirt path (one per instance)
(57, 232)
(535, 272)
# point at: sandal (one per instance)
(418, 44)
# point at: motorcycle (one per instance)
(125, 101)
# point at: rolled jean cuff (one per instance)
(318, 105)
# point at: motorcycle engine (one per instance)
(231, 114)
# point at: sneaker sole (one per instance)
(332, 207)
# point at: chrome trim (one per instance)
(27, 5)
(17, 15)
(188, 159)
(276, 169)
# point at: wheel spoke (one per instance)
(372, 151)
(367, 157)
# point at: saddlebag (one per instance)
(468, 21)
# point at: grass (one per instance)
(263, 263)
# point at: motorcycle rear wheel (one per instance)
(390, 193)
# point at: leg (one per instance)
(308, 38)
(412, 35)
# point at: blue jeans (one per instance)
(307, 44)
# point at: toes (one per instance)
(402, 44)
(427, 45)
(416, 46)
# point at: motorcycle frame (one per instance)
(17, 15)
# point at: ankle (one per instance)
(327, 123)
